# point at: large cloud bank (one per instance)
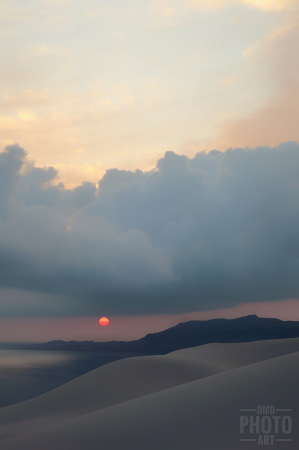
(201, 233)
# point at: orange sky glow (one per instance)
(43, 329)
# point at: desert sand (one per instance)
(187, 400)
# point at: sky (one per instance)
(149, 164)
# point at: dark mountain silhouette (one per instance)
(189, 334)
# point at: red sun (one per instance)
(104, 321)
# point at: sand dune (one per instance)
(189, 399)
(231, 356)
(108, 385)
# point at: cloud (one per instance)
(45, 50)
(49, 245)
(168, 7)
(196, 233)
(11, 161)
(36, 189)
(269, 5)
(228, 80)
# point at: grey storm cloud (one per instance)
(194, 233)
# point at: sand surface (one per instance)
(188, 399)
